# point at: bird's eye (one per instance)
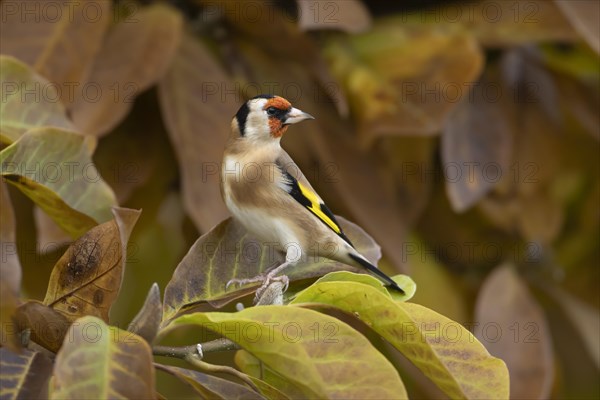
(271, 111)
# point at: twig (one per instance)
(196, 350)
(211, 368)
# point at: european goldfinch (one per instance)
(265, 191)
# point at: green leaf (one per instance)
(444, 350)
(269, 379)
(228, 252)
(24, 375)
(28, 101)
(404, 281)
(316, 352)
(54, 168)
(208, 386)
(98, 361)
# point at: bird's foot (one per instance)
(245, 281)
(266, 280)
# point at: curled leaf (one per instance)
(47, 327)
(147, 320)
(87, 278)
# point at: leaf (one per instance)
(98, 361)
(392, 72)
(512, 326)
(49, 235)
(442, 349)
(477, 145)
(349, 16)
(47, 326)
(208, 386)
(28, 101)
(333, 366)
(228, 252)
(583, 16)
(10, 267)
(24, 375)
(256, 369)
(147, 320)
(54, 168)
(59, 41)
(87, 278)
(134, 56)
(404, 281)
(199, 148)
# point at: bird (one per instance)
(268, 195)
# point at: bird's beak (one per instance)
(294, 116)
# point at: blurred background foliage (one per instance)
(463, 136)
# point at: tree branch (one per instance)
(195, 350)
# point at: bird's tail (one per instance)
(376, 271)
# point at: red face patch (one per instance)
(275, 124)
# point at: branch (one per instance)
(195, 350)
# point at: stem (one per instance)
(192, 350)
(211, 368)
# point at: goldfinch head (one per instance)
(266, 117)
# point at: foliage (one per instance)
(467, 146)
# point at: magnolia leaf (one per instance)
(391, 72)
(10, 267)
(228, 252)
(255, 369)
(87, 278)
(25, 375)
(350, 16)
(58, 40)
(50, 235)
(28, 101)
(404, 281)
(147, 320)
(47, 326)
(98, 361)
(191, 91)
(54, 168)
(318, 353)
(476, 150)
(512, 326)
(583, 16)
(208, 386)
(442, 349)
(133, 57)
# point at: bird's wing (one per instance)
(299, 188)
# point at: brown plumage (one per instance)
(266, 192)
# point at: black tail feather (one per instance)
(377, 272)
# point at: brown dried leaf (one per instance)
(583, 16)
(512, 326)
(59, 40)
(228, 252)
(24, 375)
(48, 327)
(347, 15)
(477, 145)
(134, 56)
(147, 320)
(87, 278)
(198, 120)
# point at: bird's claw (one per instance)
(267, 282)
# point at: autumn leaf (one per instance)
(133, 57)
(47, 327)
(87, 278)
(98, 361)
(25, 375)
(28, 101)
(229, 252)
(54, 168)
(60, 42)
(441, 348)
(348, 15)
(513, 327)
(334, 365)
(191, 89)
